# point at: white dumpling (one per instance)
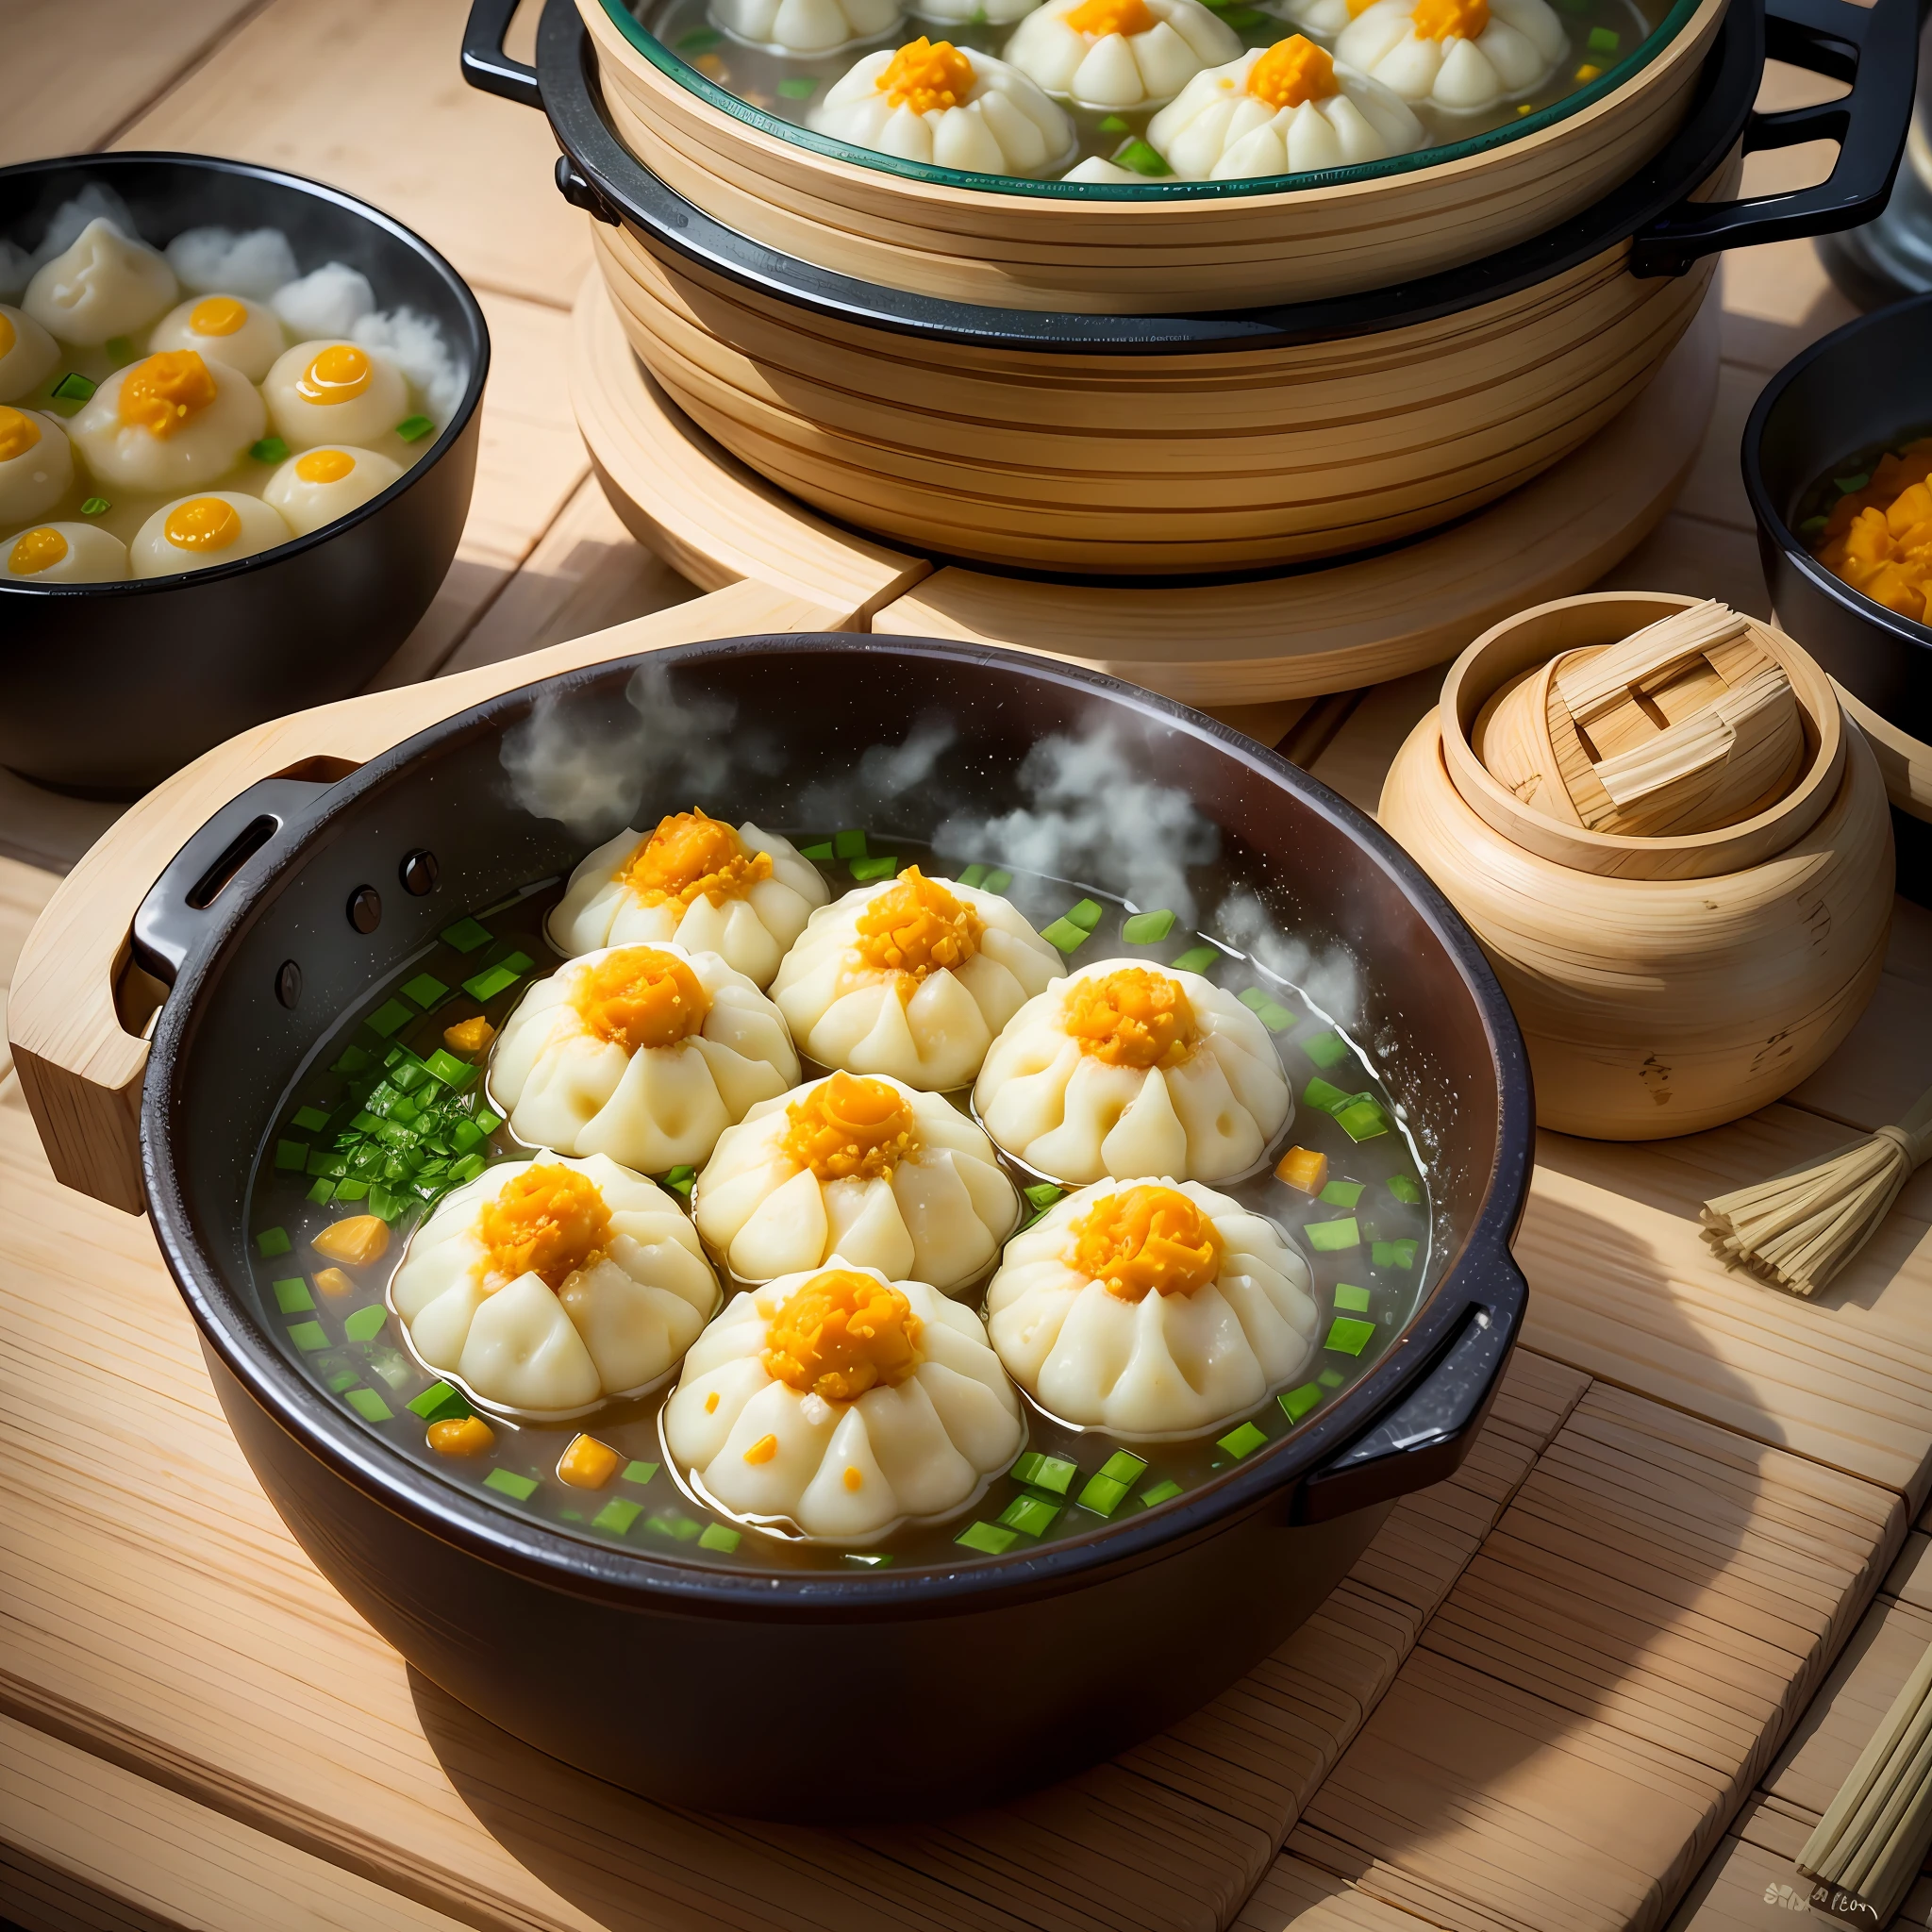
(36, 464)
(1152, 1309)
(842, 1405)
(64, 554)
(200, 532)
(1459, 55)
(1285, 109)
(169, 422)
(28, 355)
(973, 13)
(548, 1285)
(860, 1166)
(1118, 54)
(1126, 1068)
(744, 895)
(911, 979)
(311, 491)
(335, 392)
(644, 1053)
(806, 26)
(949, 107)
(102, 285)
(230, 328)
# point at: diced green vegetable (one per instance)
(1050, 1473)
(1362, 1119)
(96, 506)
(1844, 485)
(1242, 1442)
(1141, 157)
(1405, 1189)
(616, 1516)
(466, 1169)
(1392, 1254)
(321, 1192)
(388, 1016)
(1274, 1016)
(466, 934)
(272, 1241)
(292, 1297)
(870, 1559)
(669, 1523)
(1326, 1048)
(353, 1062)
(880, 866)
(455, 1075)
(309, 1336)
(1114, 125)
(441, 1403)
(1350, 1299)
(1087, 914)
(716, 1537)
(1160, 1492)
(1043, 1195)
(351, 1190)
(798, 87)
(73, 388)
(639, 1473)
(414, 429)
(1604, 40)
(1319, 1093)
(488, 1123)
(1331, 1379)
(1102, 1494)
(1333, 1236)
(505, 1482)
(1296, 1402)
(679, 1179)
(291, 1157)
(489, 982)
(1064, 936)
(1030, 1515)
(973, 876)
(1341, 1194)
(1811, 527)
(1123, 1466)
(271, 449)
(1348, 1336)
(383, 1204)
(365, 1325)
(369, 1405)
(819, 854)
(1197, 959)
(312, 1120)
(425, 990)
(347, 1378)
(996, 881)
(849, 843)
(987, 1539)
(701, 40)
(1147, 928)
(465, 1136)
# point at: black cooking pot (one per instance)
(680, 1681)
(1870, 48)
(105, 688)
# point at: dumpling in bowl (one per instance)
(1113, 53)
(320, 486)
(842, 1403)
(245, 335)
(336, 392)
(910, 979)
(1151, 1310)
(1461, 55)
(644, 1053)
(1283, 109)
(548, 1285)
(806, 26)
(858, 1166)
(101, 286)
(28, 355)
(36, 464)
(744, 895)
(201, 532)
(63, 554)
(173, 421)
(930, 100)
(1126, 1069)
(973, 13)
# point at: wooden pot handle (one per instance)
(79, 1009)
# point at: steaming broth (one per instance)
(1370, 1271)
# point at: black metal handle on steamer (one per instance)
(180, 905)
(1875, 49)
(1426, 1435)
(485, 63)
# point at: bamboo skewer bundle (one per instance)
(1871, 1842)
(1798, 1229)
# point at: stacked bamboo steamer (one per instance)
(1673, 846)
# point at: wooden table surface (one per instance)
(1632, 1647)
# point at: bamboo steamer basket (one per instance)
(1663, 985)
(1026, 246)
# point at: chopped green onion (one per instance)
(700, 42)
(1350, 1299)
(987, 1539)
(369, 1405)
(365, 1325)
(1341, 1194)
(679, 1181)
(1296, 1402)
(1405, 1189)
(271, 449)
(73, 388)
(1242, 1442)
(798, 87)
(310, 1119)
(96, 506)
(1811, 527)
(414, 429)
(1605, 40)
(1147, 928)
(849, 843)
(1043, 1195)
(616, 1516)
(353, 1060)
(322, 1192)
(819, 854)
(309, 1336)
(870, 1559)
(639, 1473)
(441, 1403)
(1051, 1472)
(973, 876)
(453, 1073)
(1064, 936)
(508, 1483)
(669, 1523)
(1276, 1018)
(1124, 1466)
(1347, 1336)
(996, 881)
(488, 983)
(1102, 1494)
(466, 934)
(1844, 485)
(1114, 125)
(716, 1537)
(388, 1016)
(272, 1241)
(1030, 1515)
(1326, 1048)
(292, 1297)
(464, 1136)
(1160, 1492)
(351, 1190)
(347, 1380)
(425, 990)
(1318, 1092)
(1331, 1379)
(121, 350)
(1363, 1120)
(291, 1157)
(383, 1204)
(1392, 1254)
(1197, 959)
(1087, 914)
(1333, 1236)
(1138, 155)
(488, 1123)
(878, 867)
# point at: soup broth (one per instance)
(385, 1118)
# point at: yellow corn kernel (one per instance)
(1303, 1169)
(588, 1465)
(762, 1450)
(355, 1241)
(469, 1036)
(333, 1281)
(472, 1436)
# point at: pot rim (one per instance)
(610, 175)
(478, 347)
(452, 1514)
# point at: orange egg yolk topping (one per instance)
(842, 1333)
(1879, 539)
(1132, 1018)
(849, 1127)
(915, 927)
(549, 1220)
(35, 551)
(925, 74)
(338, 373)
(203, 522)
(160, 395)
(639, 998)
(19, 433)
(1292, 73)
(1101, 17)
(1445, 20)
(1145, 1240)
(217, 315)
(325, 465)
(691, 857)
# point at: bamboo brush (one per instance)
(1872, 1839)
(1798, 1229)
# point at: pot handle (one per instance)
(1877, 50)
(486, 66)
(1426, 1437)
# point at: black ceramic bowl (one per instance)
(680, 1681)
(108, 688)
(1865, 385)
